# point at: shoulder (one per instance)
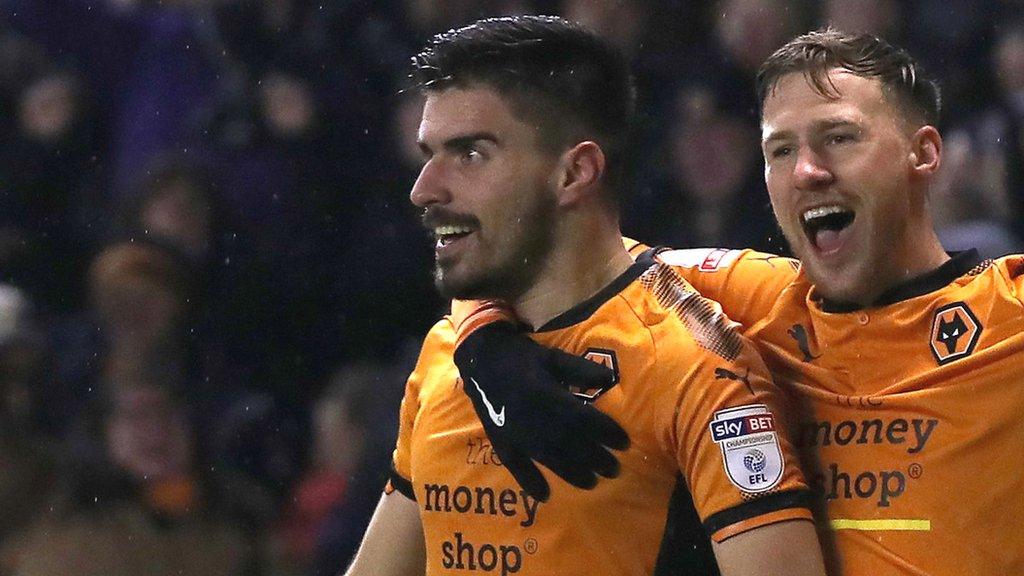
(678, 318)
(439, 341)
(747, 284)
(438, 349)
(759, 265)
(1012, 269)
(993, 281)
(441, 334)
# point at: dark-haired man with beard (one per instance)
(523, 135)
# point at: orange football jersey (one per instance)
(706, 453)
(911, 412)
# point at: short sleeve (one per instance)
(731, 445)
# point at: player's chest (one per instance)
(920, 471)
(892, 427)
(448, 439)
(449, 443)
(470, 504)
(864, 354)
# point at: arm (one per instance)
(728, 429)
(787, 548)
(393, 545)
(746, 283)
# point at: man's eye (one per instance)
(840, 138)
(780, 152)
(470, 155)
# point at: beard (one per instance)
(510, 267)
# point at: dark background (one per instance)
(212, 284)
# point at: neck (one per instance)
(922, 253)
(578, 267)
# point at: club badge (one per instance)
(605, 358)
(955, 332)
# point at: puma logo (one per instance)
(799, 333)
(726, 374)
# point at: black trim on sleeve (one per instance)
(763, 505)
(402, 485)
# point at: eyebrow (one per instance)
(459, 143)
(818, 126)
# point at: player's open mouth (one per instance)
(825, 226)
(450, 233)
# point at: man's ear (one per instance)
(926, 151)
(581, 174)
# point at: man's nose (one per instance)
(811, 170)
(431, 186)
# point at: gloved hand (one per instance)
(520, 393)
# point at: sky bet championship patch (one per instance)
(750, 448)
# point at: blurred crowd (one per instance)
(212, 283)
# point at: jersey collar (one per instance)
(586, 309)
(958, 264)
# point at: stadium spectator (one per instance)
(233, 320)
(329, 506)
(621, 22)
(969, 201)
(708, 189)
(952, 38)
(47, 158)
(20, 59)
(745, 33)
(141, 294)
(978, 199)
(136, 498)
(255, 32)
(879, 17)
(28, 455)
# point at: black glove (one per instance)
(520, 393)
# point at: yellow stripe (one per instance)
(900, 524)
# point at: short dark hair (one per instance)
(572, 83)
(815, 53)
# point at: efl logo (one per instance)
(605, 358)
(750, 449)
(955, 332)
